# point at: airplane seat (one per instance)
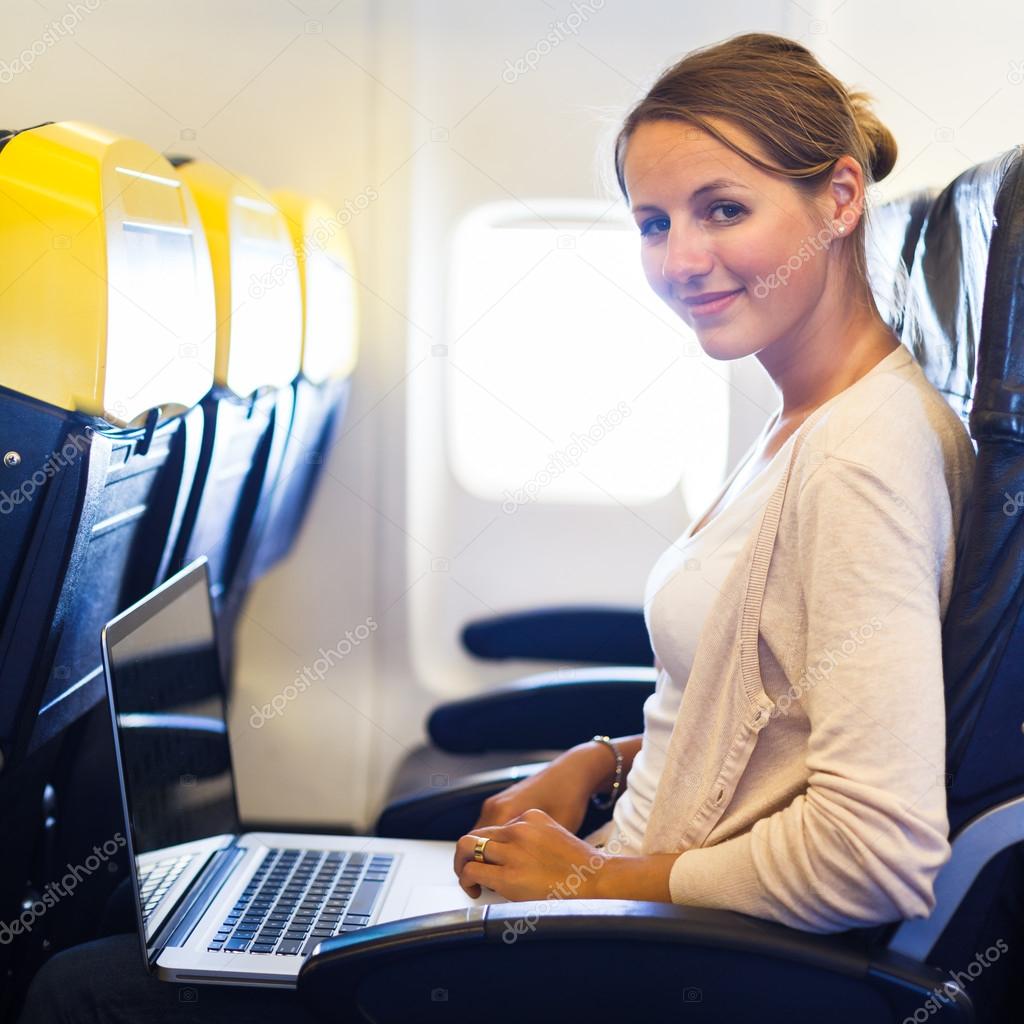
(248, 413)
(963, 320)
(326, 273)
(106, 299)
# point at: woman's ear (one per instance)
(846, 192)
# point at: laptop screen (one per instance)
(167, 701)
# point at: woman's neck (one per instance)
(809, 374)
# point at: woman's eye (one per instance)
(658, 224)
(727, 206)
(645, 228)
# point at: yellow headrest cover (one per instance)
(106, 293)
(259, 328)
(326, 269)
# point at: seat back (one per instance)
(249, 412)
(965, 324)
(960, 314)
(106, 303)
(958, 310)
(326, 272)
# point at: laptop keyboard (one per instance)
(298, 898)
(156, 879)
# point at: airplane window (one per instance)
(568, 380)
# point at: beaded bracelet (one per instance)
(616, 779)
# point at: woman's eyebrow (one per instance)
(711, 186)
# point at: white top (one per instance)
(679, 593)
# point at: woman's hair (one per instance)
(774, 89)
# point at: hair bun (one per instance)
(881, 141)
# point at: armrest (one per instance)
(573, 633)
(451, 812)
(501, 962)
(546, 711)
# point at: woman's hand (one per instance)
(562, 789)
(530, 858)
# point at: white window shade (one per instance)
(569, 380)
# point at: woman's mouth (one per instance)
(714, 306)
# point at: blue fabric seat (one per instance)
(249, 411)
(107, 305)
(321, 391)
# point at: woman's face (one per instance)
(757, 237)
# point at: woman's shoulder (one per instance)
(894, 422)
(895, 426)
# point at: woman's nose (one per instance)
(686, 255)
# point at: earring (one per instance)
(840, 229)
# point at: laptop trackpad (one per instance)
(431, 899)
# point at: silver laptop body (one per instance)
(216, 905)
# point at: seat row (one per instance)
(178, 346)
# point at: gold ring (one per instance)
(478, 852)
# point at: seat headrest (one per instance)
(259, 303)
(326, 270)
(106, 292)
(973, 225)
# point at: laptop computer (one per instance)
(214, 904)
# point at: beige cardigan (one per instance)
(805, 774)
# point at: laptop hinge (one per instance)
(179, 926)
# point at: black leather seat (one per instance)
(960, 312)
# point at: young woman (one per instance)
(763, 782)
